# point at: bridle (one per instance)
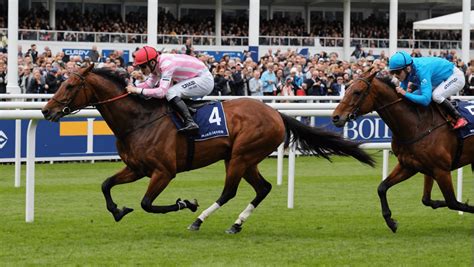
(66, 103)
(354, 114)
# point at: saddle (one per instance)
(194, 105)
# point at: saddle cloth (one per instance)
(466, 108)
(211, 120)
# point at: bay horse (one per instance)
(149, 145)
(423, 140)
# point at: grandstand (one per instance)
(296, 24)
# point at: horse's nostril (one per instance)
(335, 118)
(352, 116)
(45, 111)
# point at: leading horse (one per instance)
(423, 140)
(149, 145)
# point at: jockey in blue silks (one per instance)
(432, 78)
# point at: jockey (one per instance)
(433, 78)
(192, 78)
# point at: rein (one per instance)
(67, 110)
(125, 134)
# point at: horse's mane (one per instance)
(117, 77)
(386, 80)
(120, 79)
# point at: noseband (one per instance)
(67, 110)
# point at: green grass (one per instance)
(336, 220)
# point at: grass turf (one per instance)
(336, 220)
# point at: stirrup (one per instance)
(461, 122)
(191, 128)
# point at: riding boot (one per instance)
(189, 125)
(460, 121)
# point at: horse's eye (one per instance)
(357, 93)
(69, 86)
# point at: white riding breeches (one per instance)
(199, 86)
(450, 87)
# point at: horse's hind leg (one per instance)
(427, 201)
(445, 183)
(399, 174)
(158, 182)
(261, 187)
(234, 172)
(126, 175)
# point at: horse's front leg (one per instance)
(445, 183)
(126, 175)
(158, 182)
(399, 174)
(427, 201)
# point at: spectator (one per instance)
(337, 88)
(3, 79)
(37, 85)
(288, 88)
(94, 54)
(33, 53)
(296, 81)
(189, 49)
(358, 52)
(469, 86)
(237, 83)
(256, 85)
(25, 79)
(53, 81)
(220, 83)
(269, 80)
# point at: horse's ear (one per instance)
(88, 68)
(372, 72)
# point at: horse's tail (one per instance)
(319, 142)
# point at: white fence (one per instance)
(24, 110)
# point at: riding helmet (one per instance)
(144, 54)
(399, 61)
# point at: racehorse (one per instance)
(422, 140)
(149, 145)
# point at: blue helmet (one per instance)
(399, 61)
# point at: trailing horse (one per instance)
(423, 140)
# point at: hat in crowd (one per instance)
(54, 70)
(370, 58)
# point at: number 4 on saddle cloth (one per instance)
(466, 108)
(211, 120)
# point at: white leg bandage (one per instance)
(208, 211)
(245, 214)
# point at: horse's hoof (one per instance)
(234, 229)
(195, 225)
(392, 224)
(193, 206)
(119, 215)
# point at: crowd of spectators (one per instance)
(72, 21)
(280, 72)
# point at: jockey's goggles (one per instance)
(396, 72)
(144, 65)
